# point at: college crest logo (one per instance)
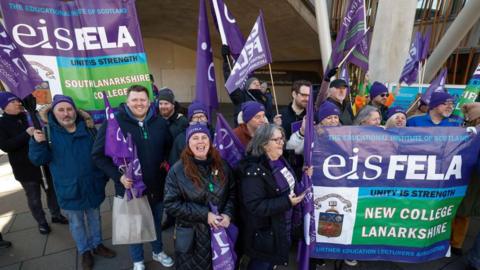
(330, 222)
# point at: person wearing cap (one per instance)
(15, 134)
(328, 115)
(439, 113)
(197, 113)
(378, 97)
(79, 185)
(199, 179)
(396, 117)
(176, 122)
(296, 110)
(337, 94)
(252, 117)
(152, 139)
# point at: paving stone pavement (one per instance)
(31, 250)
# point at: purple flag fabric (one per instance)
(359, 56)
(255, 54)
(344, 75)
(410, 70)
(116, 145)
(205, 89)
(227, 27)
(223, 245)
(437, 85)
(134, 172)
(227, 143)
(306, 185)
(426, 44)
(15, 71)
(351, 33)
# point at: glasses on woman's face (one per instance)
(278, 140)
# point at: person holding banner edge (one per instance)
(267, 200)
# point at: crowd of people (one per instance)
(184, 173)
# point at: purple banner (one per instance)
(15, 71)
(437, 85)
(81, 48)
(227, 143)
(410, 70)
(389, 194)
(255, 54)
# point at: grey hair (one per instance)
(262, 136)
(364, 114)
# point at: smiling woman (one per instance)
(200, 178)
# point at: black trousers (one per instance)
(34, 199)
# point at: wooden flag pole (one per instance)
(419, 77)
(228, 62)
(273, 88)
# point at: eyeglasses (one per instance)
(198, 123)
(278, 140)
(384, 94)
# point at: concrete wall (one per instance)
(173, 66)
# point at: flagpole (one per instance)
(273, 87)
(219, 22)
(419, 77)
(351, 51)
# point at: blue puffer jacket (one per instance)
(78, 183)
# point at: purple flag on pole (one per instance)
(352, 32)
(426, 44)
(307, 206)
(223, 245)
(116, 145)
(255, 54)
(15, 71)
(205, 89)
(134, 172)
(227, 27)
(437, 85)
(410, 70)
(227, 143)
(359, 56)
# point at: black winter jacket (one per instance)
(177, 123)
(288, 117)
(264, 206)
(346, 116)
(14, 141)
(152, 141)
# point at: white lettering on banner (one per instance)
(253, 43)
(417, 167)
(86, 38)
(225, 247)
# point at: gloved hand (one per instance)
(225, 50)
(330, 74)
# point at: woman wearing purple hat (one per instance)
(198, 179)
(396, 117)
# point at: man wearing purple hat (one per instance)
(14, 136)
(327, 115)
(252, 116)
(378, 98)
(79, 184)
(439, 113)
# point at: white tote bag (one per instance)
(132, 221)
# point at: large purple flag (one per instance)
(227, 27)
(352, 32)
(359, 56)
(307, 206)
(15, 71)
(205, 89)
(437, 85)
(410, 70)
(255, 54)
(227, 143)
